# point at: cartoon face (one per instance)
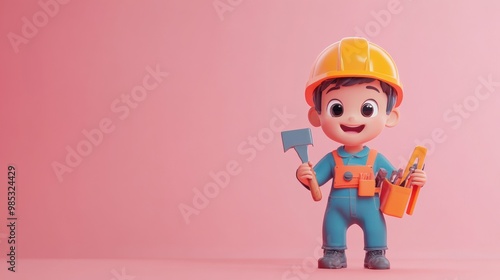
(354, 115)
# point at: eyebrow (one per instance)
(374, 88)
(332, 88)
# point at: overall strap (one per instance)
(372, 155)
(337, 159)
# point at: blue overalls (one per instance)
(345, 207)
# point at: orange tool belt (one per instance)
(395, 197)
(356, 176)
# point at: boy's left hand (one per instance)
(418, 178)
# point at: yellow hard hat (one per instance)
(354, 57)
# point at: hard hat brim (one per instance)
(345, 74)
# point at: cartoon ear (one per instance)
(313, 117)
(393, 118)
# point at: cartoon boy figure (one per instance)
(354, 91)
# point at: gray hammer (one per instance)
(299, 139)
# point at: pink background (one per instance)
(228, 75)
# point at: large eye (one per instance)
(335, 108)
(369, 108)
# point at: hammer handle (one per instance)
(419, 153)
(314, 187)
(413, 200)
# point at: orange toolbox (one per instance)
(398, 195)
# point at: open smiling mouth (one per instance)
(355, 129)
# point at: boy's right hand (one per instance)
(305, 173)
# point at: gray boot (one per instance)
(333, 259)
(376, 260)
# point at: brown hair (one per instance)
(345, 82)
